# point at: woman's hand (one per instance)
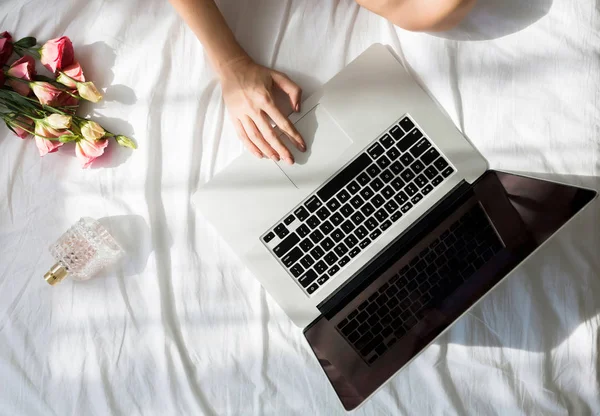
(248, 94)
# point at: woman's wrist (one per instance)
(228, 65)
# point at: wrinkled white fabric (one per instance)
(181, 327)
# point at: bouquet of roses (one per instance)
(44, 107)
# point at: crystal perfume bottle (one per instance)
(82, 251)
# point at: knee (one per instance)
(420, 16)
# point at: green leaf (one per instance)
(26, 43)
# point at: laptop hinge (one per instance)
(336, 301)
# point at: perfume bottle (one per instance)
(82, 251)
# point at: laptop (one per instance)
(386, 230)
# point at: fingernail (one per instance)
(289, 161)
(302, 147)
(297, 107)
(275, 158)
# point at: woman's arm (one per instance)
(247, 86)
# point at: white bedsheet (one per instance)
(182, 327)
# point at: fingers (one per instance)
(268, 133)
(256, 137)
(239, 128)
(286, 126)
(289, 87)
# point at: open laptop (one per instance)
(386, 230)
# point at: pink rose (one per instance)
(70, 75)
(47, 93)
(88, 91)
(57, 54)
(87, 151)
(6, 47)
(23, 68)
(46, 146)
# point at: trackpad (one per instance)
(325, 143)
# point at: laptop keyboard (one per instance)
(354, 208)
(430, 277)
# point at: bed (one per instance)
(181, 327)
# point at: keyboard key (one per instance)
(354, 252)
(317, 253)
(366, 193)
(306, 245)
(286, 245)
(418, 149)
(303, 230)
(367, 209)
(321, 267)
(397, 183)
(316, 236)
(313, 203)
(281, 231)
(437, 180)
(377, 184)
(371, 345)
(340, 249)
(269, 237)
(387, 141)
(357, 202)
(297, 270)
(312, 288)
(406, 124)
(313, 221)
(301, 213)
(381, 215)
(383, 162)
(353, 187)
(348, 225)
(407, 175)
(388, 192)
(327, 244)
(396, 216)
(375, 150)
(430, 155)
(447, 172)
(336, 218)
(333, 204)
(415, 199)
(307, 260)
(292, 256)
(347, 210)
(326, 227)
(322, 279)
(393, 153)
(343, 261)
(360, 232)
(323, 213)
(426, 189)
(385, 225)
(337, 235)
(440, 164)
(333, 270)
(431, 172)
(331, 258)
(391, 206)
(351, 241)
(417, 166)
(420, 181)
(343, 196)
(411, 189)
(406, 159)
(396, 132)
(290, 219)
(411, 138)
(363, 178)
(377, 201)
(406, 207)
(371, 224)
(308, 278)
(373, 170)
(343, 177)
(364, 243)
(387, 176)
(396, 167)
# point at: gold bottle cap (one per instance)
(56, 274)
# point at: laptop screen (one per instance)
(422, 290)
